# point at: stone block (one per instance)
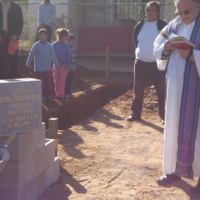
(52, 173)
(46, 154)
(20, 105)
(35, 187)
(25, 144)
(15, 174)
(13, 193)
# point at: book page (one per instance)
(172, 35)
(175, 39)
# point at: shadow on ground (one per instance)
(186, 187)
(146, 123)
(65, 180)
(69, 140)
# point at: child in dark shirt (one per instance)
(72, 66)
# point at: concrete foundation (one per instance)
(32, 166)
(28, 178)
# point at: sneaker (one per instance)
(49, 98)
(167, 179)
(133, 118)
(43, 99)
(69, 95)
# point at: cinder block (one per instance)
(35, 187)
(52, 173)
(46, 154)
(13, 194)
(15, 174)
(25, 143)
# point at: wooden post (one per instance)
(107, 63)
(53, 132)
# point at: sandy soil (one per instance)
(107, 158)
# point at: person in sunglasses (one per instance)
(182, 119)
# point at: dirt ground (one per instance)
(105, 157)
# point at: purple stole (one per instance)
(189, 110)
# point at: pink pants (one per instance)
(59, 80)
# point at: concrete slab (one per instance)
(36, 186)
(15, 174)
(116, 64)
(13, 193)
(52, 173)
(46, 154)
(25, 143)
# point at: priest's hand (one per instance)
(168, 47)
(184, 53)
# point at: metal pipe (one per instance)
(95, 4)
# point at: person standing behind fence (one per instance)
(72, 67)
(43, 53)
(46, 15)
(11, 24)
(145, 32)
(62, 51)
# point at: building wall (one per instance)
(100, 15)
(75, 19)
(100, 29)
(95, 39)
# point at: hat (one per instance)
(70, 35)
(13, 46)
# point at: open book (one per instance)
(178, 41)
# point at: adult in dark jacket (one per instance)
(11, 24)
(145, 32)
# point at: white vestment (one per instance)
(174, 84)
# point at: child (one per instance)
(72, 67)
(43, 52)
(62, 51)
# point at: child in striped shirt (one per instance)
(43, 52)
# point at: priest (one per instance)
(182, 119)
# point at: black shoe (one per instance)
(167, 179)
(133, 118)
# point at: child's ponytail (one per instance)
(57, 34)
(60, 33)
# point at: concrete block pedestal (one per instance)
(32, 166)
(28, 178)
